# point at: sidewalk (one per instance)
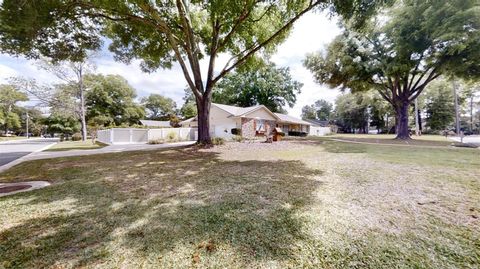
(107, 149)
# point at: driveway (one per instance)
(13, 150)
(32, 150)
(471, 139)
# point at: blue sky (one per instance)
(311, 33)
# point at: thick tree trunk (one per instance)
(203, 109)
(402, 121)
(82, 115)
(82, 104)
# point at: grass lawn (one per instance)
(423, 140)
(9, 138)
(291, 204)
(74, 145)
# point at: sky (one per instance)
(311, 33)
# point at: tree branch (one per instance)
(250, 51)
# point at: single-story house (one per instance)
(249, 122)
(319, 127)
(156, 123)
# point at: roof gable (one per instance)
(236, 111)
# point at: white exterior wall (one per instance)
(260, 114)
(221, 124)
(319, 131)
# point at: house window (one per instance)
(260, 126)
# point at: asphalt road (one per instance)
(12, 150)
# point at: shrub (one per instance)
(237, 138)
(218, 141)
(156, 141)
(172, 136)
(236, 131)
(76, 137)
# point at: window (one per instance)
(260, 125)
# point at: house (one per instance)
(319, 127)
(249, 122)
(156, 123)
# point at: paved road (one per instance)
(12, 150)
(472, 139)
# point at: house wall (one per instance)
(319, 131)
(249, 125)
(220, 123)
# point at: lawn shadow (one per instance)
(330, 145)
(183, 204)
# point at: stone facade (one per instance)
(249, 125)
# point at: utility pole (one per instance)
(417, 126)
(28, 136)
(457, 116)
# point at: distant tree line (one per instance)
(360, 112)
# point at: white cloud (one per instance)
(311, 33)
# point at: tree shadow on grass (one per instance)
(332, 146)
(174, 208)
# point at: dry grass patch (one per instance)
(293, 204)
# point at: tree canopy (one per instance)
(9, 97)
(320, 110)
(269, 86)
(403, 50)
(159, 107)
(160, 33)
(110, 99)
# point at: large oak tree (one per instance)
(403, 50)
(163, 32)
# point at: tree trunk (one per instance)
(203, 109)
(402, 121)
(82, 114)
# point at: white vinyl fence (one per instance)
(139, 136)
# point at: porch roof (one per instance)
(290, 119)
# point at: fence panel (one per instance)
(179, 133)
(132, 135)
(104, 136)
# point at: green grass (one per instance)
(292, 204)
(423, 140)
(10, 138)
(75, 145)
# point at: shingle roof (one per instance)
(156, 123)
(291, 119)
(321, 123)
(235, 110)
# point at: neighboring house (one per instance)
(249, 122)
(319, 127)
(156, 123)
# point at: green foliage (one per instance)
(156, 141)
(159, 107)
(440, 107)
(76, 137)
(269, 86)
(238, 138)
(172, 136)
(320, 110)
(110, 99)
(351, 112)
(61, 124)
(403, 50)
(218, 141)
(160, 33)
(9, 97)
